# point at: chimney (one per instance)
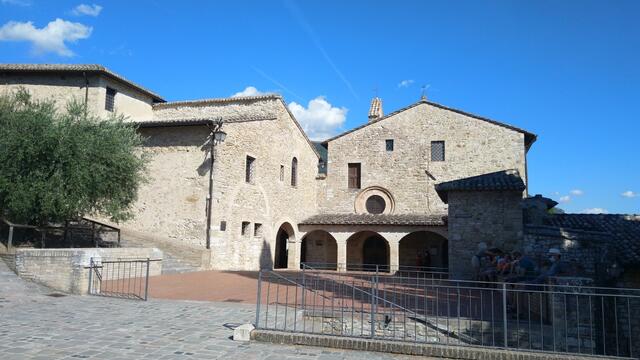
(375, 111)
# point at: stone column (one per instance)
(341, 242)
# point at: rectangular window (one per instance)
(354, 175)
(257, 230)
(110, 100)
(223, 225)
(250, 169)
(389, 144)
(245, 228)
(282, 173)
(437, 151)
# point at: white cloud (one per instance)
(51, 38)
(576, 192)
(248, 91)
(320, 119)
(565, 199)
(16, 2)
(594, 211)
(629, 194)
(89, 10)
(405, 83)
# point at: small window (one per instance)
(223, 225)
(282, 173)
(110, 100)
(389, 144)
(257, 230)
(375, 204)
(249, 169)
(245, 228)
(294, 172)
(437, 151)
(354, 176)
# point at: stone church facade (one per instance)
(363, 198)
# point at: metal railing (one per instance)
(122, 278)
(543, 318)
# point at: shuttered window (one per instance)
(110, 100)
(437, 151)
(354, 176)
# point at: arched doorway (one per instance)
(425, 250)
(281, 255)
(319, 250)
(367, 250)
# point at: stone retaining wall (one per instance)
(67, 270)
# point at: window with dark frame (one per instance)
(257, 230)
(388, 144)
(249, 169)
(245, 228)
(281, 172)
(294, 172)
(375, 204)
(437, 151)
(354, 175)
(110, 100)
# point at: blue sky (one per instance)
(568, 71)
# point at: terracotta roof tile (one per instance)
(508, 180)
(369, 219)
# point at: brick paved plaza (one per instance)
(34, 325)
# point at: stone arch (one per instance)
(281, 252)
(424, 249)
(319, 249)
(366, 250)
(360, 204)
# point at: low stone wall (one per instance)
(67, 270)
(407, 348)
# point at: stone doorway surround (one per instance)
(392, 228)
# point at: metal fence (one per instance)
(122, 278)
(543, 318)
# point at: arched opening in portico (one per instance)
(319, 250)
(367, 250)
(424, 250)
(281, 254)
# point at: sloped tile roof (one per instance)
(529, 137)
(92, 68)
(369, 219)
(508, 180)
(623, 231)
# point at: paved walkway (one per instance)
(34, 326)
(238, 287)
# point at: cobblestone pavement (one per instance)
(34, 325)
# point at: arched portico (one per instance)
(281, 253)
(319, 249)
(367, 250)
(423, 249)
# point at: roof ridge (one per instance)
(78, 67)
(206, 101)
(532, 136)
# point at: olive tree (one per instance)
(61, 164)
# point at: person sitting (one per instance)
(558, 267)
(524, 269)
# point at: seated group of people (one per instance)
(495, 265)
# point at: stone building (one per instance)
(420, 186)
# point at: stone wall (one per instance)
(63, 87)
(490, 217)
(472, 147)
(67, 270)
(174, 200)
(586, 251)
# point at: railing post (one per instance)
(10, 241)
(303, 286)
(504, 314)
(374, 286)
(146, 285)
(90, 275)
(259, 299)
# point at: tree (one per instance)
(61, 165)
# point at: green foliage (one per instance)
(59, 165)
